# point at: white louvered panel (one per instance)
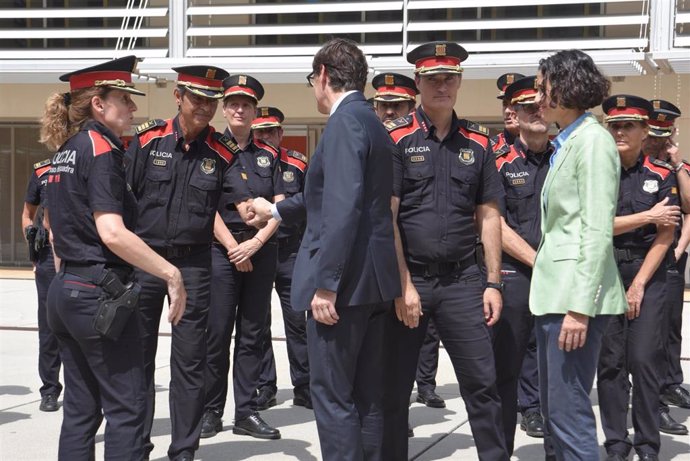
(286, 50)
(527, 23)
(297, 29)
(435, 4)
(81, 33)
(52, 13)
(317, 7)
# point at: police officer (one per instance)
(244, 267)
(41, 255)
(632, 343)
(444, 176)
(91, 212)
(523, 168)
(659, 144)
(396, 97)
(510, 126)
(267, 127)
(178, 168)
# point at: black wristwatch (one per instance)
(495, 285)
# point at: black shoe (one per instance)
(668, 425)
(431, 399)
(533, 424)
(211, 424)
(677, 396)
(256, 427)
(49, 402)
(613, 456)
(410, 431)
(266, 398)
(648, 457)
(302, 397)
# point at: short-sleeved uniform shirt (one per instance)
(36, 190)
(293, 168)
(440, 183)
(261, 168)
(87, 175)
(178, 182)
(641, 187)
(523, 173)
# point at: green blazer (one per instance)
(574, 269)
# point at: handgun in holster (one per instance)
(116, 305)
(30, 233)
(479, 254)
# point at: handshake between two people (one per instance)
(256, 212)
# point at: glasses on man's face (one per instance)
(530, 109)
(310, 79)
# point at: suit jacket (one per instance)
(574, 269)
(348, 244)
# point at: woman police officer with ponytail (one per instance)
(90, 210)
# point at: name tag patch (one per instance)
(159, 162)
(517, 182)
(417, 158)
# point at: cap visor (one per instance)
(205, 93)
(128, 89)
(392, 98)
(240, 93)
(659, 133)
(439, 71)
(259, 126)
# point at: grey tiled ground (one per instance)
(27, 434)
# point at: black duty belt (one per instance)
(440, 269)
(243, 235)
(628, 254)
(95, 272)
(290, 241)
(180, 251)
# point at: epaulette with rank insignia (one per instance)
(661, 163)
(398, 123)
(503, 150)
(42, 167)
(148, 125)
(297, 155)
(41, 164)
(476, 128)
(228, 143)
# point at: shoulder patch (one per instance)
(298, 155)
(659, 167)
(267, 146)
(99, 143)
(148, 125)
(392, 125)
(507, 157)
(41, 164)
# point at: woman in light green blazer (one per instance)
(575, 284)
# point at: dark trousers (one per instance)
(48, 353)
(187, 353)
(427, 366)
(633, 347)
(295, 326)
(565, 381)
(672, 373)
(454, 302)
(103, 378)
(241, 300)
(346, 379)
(528, 383)
(511, 335)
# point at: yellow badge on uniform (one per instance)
(208, 165)
(466, 156)
(674, 191)
(243, 175)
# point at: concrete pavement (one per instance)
(440, 434)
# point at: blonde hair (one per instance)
(65, 113)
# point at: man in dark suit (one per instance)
(346, 270)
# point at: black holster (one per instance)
(30, 233)
(116, 305)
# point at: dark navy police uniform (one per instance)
(635, 347)
(523, 173)
(440, 183)
(48, 353)
(293, 166)
(241, 298)
(102, 377)
(178, 184)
